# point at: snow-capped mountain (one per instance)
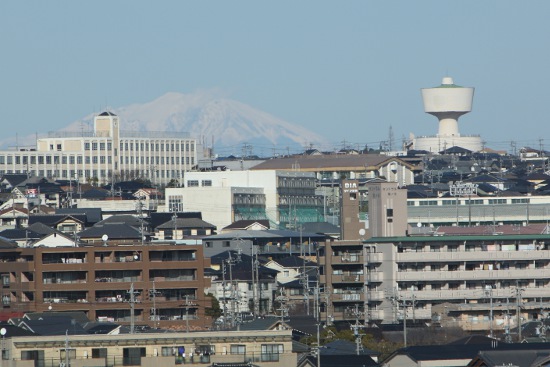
(204, 116)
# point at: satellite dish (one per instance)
(104, 238)
(362, 232)
(419, 224)
(3, 331)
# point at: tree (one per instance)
(214, 310)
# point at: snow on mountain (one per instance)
(204, 115)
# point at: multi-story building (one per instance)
(471, 280)
(168, 282)
(105, 153)
(342, 279)
(285, 198)
(476, 210)
(261, 348)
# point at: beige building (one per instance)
(106, 152)
(261, 348)
(458, 279)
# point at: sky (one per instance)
(348, 70)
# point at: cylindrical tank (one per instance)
(448, 102)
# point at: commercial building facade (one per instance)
(105, 153)
(285, 198)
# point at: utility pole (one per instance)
(132, 294)
(154, 309)
(518, 309)
(356, 327)
(489, 293)
(282, 299)
(186, 313)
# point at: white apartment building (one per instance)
(475, 210)
(477, 282)
(105, 153)
(285, 198)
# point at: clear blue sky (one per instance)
(346, 69)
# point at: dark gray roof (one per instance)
(267, 234)
(128, 219)
(93, 215)
(316, 163)
(7, 243)
(79, 316)
(526, 358)
(321, 227)
(294, 262)
(41, 228)
(114, 231)
(19, 234)
(53, 325)
(53, 219)
(186, 223)
(12, 330)
(107, 113)
(242, 224)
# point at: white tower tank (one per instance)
(447, 102)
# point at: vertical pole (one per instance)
(491, 315)
(318, 344)
(132, 304)
(66, 348)
(404, 324)
(186, 313)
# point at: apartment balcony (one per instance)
(374, 257)
(347, 297)
(488, 256)
(375, 295)
(476, 275)
(375, 314)
(351, 278)
(374, 276)
(348, 259)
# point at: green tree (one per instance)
(214, 310)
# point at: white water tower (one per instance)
(448, 102)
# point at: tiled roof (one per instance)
(186, 223)
(314, 163)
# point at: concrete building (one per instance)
(447, 102)
(261, 348)
(349, 166)
(105, 153)
(285, 198)
(458, 279)
(488, 210)
(97, 280)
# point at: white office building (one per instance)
(104, 154)
(285, 198)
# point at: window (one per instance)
(132, 356)
(5, 280)
(101, 146)
(193, 183)
(238, 349)
(99, 352)
(206, 182)
(86, 146)
(270, 352)
(226, 243)
(94, 146)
